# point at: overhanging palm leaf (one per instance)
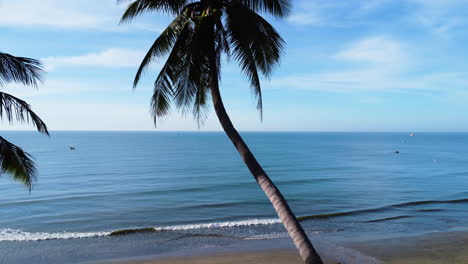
(13, 160)
(162, 45)
(18, 69)
(279, 8)
(13, 108)
(163, 86)
(17, 163)
(259, 48)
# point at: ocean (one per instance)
(190, 191)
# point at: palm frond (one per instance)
(16, 163)
(162, 45)
(15, 109)
(266, 45)
(139, 7)
(255, 45)
(169, 75)
(278, 8)
(19, 69)
(193, 83)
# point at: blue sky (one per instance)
(380, 65)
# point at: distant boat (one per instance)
(72, 148)
(411, 134)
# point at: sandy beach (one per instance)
(434, 248)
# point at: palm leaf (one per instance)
(278, 8)
(16, 109)
(261, 38)
(162, 45)
(256, 49)
(19, 69)
(192, 87)
(17, 163)
(169, 74)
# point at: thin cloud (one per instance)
(376, 63)
(376, 49)
(115, 58)
(100, 15)
(304, 19)
(373, 80)
(440, 16)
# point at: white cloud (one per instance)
(336, 81)
(63, 87)
(50, 13)
(441, 15)
(304, 19)
(108, 58)
(374, 80)
(333, 13)
(70, 14)
(373, 4)
(375, 63)
(377, 49)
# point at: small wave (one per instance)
(285, 234)
(268, 236)
(431, 210)
(18, 235)
(205, 235)
(251, 222)
(383, 208)
(388, 218)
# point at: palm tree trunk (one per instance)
(287, 217)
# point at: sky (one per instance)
(357, 65)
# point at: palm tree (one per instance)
(201, 33)
(13, 160)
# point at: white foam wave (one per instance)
(284, 234)
(8, 234)
(268, 236)
(18, 235)
(250, 222)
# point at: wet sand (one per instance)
(434, 248)
(261, 257)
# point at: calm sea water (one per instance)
(194, 189)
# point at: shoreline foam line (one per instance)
(19, 235)
(13, 235)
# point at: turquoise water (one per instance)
(194, 190)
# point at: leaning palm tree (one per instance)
(13, 160)
(202, 32)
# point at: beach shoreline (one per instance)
(430, 248)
